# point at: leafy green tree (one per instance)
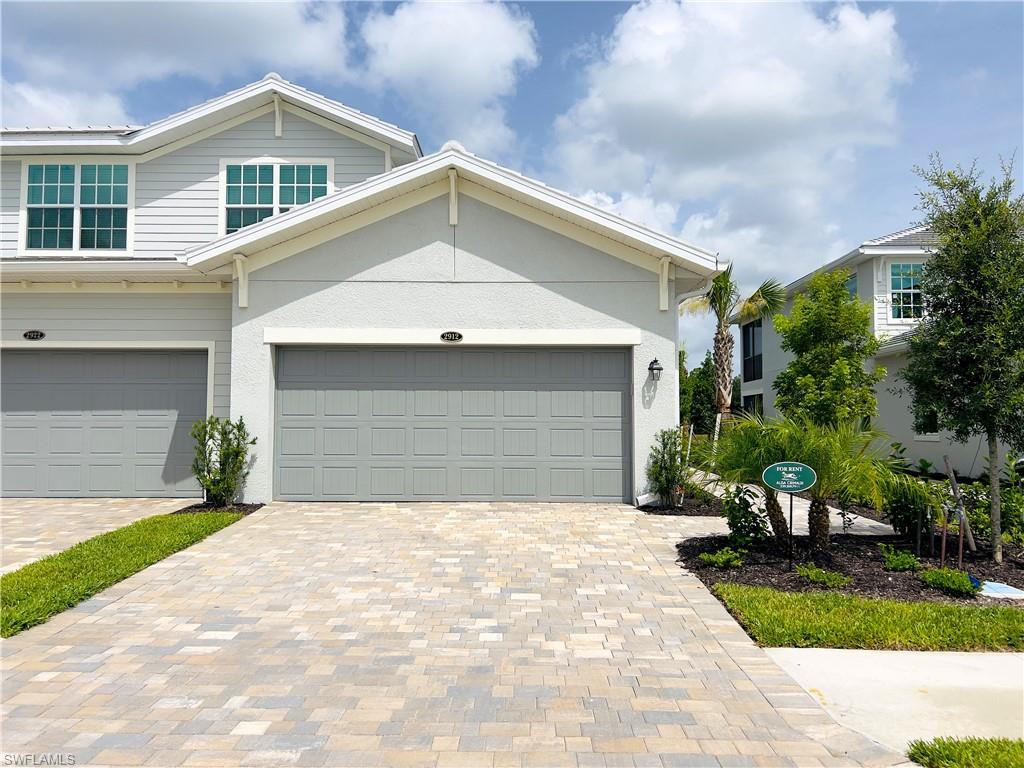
(829, 334)
(966, 361)
(723, 300)
(702, 400)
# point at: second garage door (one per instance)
(453, 423)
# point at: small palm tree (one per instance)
(742, 453)
(843, 457)
(723, 301)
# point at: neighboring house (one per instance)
(390, 326)
(885, 273)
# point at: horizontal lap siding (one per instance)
(123, 318)
(10, 194)
(177, 194)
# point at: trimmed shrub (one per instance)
(898, 559)
(726, 557)
(817, 575)
(951, 581)
(745, 520)
(221, 461)
(665, 466)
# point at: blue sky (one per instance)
(779, 134)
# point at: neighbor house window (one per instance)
(750, 341)
(929, 426)
(753, 404)
(851, 285)
(905, 286)
(77, 206)
(256, 191)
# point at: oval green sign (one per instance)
(789, 476)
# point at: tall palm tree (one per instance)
(723, 300)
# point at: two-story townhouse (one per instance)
(885, 273)
(390, 325)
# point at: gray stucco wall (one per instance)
(413, 270)
(123, 317)
(896, 419)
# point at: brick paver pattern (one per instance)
(416, 635)
(35, 528)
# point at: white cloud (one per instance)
(454, 63)
(67, 52)
(744, 121)
(25, 105)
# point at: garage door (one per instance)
(396, 424)
(100, 423)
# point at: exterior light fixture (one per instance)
(655, 369)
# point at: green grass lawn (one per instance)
(39, 590)
(830, 620)
(968, 753)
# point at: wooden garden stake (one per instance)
(964, 524)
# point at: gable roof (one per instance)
(137, 140)
(918, 236)
(914, 241)
(429, 171)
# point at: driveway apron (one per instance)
(432, 634)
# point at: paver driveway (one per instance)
(431, 634)
(35, 528)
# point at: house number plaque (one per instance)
(451, 337)
(33, 335)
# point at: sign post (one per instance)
(789, 477)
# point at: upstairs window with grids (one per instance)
(50, 205)
(905, 287)
(256, 191)
(76, 206)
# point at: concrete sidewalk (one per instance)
(895, 697)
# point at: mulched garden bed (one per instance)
(688, 508)
(241, 509)
(858, 557)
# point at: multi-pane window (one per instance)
(104, 203)
(302, 183)
(250, 195)
(750, 342)
(50, 205)
(254, 192)
(905, 291)
(99, 192)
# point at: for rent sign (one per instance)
(789, 476)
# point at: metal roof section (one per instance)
(919, 236)
(137, 140)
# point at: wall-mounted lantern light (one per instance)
(655, 369)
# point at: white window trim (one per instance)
(78, 161)
(887, 277)
(277, 162)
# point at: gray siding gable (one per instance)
(177, 194)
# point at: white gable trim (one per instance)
(187, 126)
(492, 184)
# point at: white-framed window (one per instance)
(76, 206)
(255, 189)
(906, 302)
(929, 429)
